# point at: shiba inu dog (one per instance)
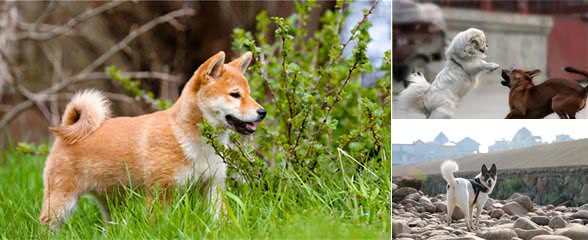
(96, 154)
(467, 194)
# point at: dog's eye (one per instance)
(235, 95)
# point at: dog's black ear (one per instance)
(533, 73)
(484, 168)
(493, 169)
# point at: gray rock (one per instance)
(413, 196)
(582, 214)
(496, 213)
(541, 220)
(583, 207)
(488, 205)
(578, 221)
(428, 205)
(466, 237)
(526, 202)
(409, 203)
(557, 222)
(417, 223)
(525, 223)
(394, 187)
(400, 193)
(457, 212)
(441, 207)
(399, 227)
(574, 231)
(528, 234)
(561, 209)
(406, 235)
(515, 195)
(497, 233)
(514, 208)
(550, 237)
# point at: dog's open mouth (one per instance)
(241, 127)
(505, 83)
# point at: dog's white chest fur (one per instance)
(206, 164)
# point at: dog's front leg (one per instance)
(443, 112)
(482, 66)
(478, 212)
(215, 197)
(470, 219)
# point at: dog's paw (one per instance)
(493, 67)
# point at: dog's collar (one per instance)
(478, 187)
(460, 66)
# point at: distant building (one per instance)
(563, 138)
(440, 148)
(523, 138)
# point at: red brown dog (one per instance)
(565, 97)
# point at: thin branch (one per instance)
(48, 10)
(338, 94)
(67, 27)
(55, 63)
(134, 34)
(31, 96)
(15, 111)
(356, 28)
(87, 73)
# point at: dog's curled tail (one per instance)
(576, 71)
(83, 115)
(413, 95)
(447, 169)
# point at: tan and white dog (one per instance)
(99, 155)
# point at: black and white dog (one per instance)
(467, 193)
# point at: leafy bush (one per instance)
(321, 123)
(312, 94)
(511, 186)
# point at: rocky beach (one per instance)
(418, 216)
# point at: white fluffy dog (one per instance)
(465, 61)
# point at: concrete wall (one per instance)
(543, 185)
(514, 40)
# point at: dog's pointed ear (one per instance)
(214, 65)
(533, 73)
(242, 62)
(493, 168)
(484, 168)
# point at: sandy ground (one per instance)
(488, 101)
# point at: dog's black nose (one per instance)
(261, 113)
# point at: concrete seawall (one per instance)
(555, 185)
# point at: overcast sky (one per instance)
(484, 131)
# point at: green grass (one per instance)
(349, 204)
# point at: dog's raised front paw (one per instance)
(493, 67)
